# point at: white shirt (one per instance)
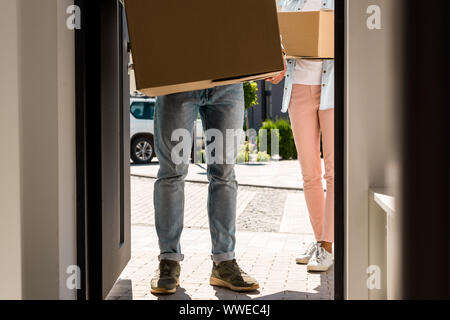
(309, 71)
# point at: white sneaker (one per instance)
(308, 252)
(321, 261)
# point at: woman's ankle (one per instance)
(328, 246)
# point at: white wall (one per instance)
(39, 84)
(66, 150)
(372, 98)
(10, 183)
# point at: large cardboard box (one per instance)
(308, 34)
(180, 45)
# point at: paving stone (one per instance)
(262, 250)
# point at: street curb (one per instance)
(240, 184)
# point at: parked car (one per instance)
(142, 112)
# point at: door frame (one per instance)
(339, 151)
(88, 134)
(88, 138)
(93, 128)
(87, 88)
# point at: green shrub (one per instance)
(245, 151)
(266, 130)
(201, 156)
(248, 147)
(242, 157)
(287, 144)
(263, 157)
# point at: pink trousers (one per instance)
(308, 123)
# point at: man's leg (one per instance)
(174, 121)
(174, 116)
(224, 111)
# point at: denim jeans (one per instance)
(222, 109)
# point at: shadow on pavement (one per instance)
(123, 290)
(179, 295)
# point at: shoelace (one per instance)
(164, 269)
(311, 248)
(233, 267)
(319, 253)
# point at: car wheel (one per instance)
(142, 150)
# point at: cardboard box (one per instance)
(308, 34)
(180, 46)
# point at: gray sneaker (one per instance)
(167, 278)
(228, 275)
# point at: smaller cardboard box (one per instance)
(308, 34)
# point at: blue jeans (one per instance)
(220, 108)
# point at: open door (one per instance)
(103, 138)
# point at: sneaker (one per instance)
(321, 261)
(307, 254)
(167, 278)
(227, 274)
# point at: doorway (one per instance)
(103, 165)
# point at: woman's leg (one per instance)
(326, 118)
(303, 111)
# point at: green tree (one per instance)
(250, 99)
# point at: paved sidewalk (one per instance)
(270, 257)
(258, 209)
(272, 225)
(283, 174)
